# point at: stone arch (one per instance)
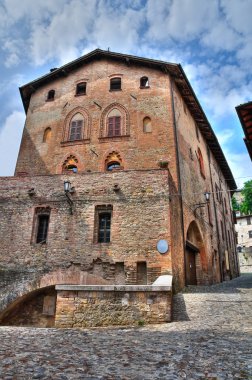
(195, 255)
(43, 286)
(86, 127)
(125, 119)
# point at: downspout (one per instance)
(179, 176)
(215, 215)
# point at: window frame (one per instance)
(76, 133)
(114, 127)
(41, 212)
(103, 235)
(115, 84)
(79, 86)
(144, 82)
(50, 95)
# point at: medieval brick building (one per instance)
(133, 140)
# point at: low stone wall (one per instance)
(91, 306)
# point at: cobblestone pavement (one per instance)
(209, 339)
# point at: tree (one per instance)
(246, 205)
(235, 204)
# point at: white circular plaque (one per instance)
(162, 246)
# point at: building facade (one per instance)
(243, 229)
(133, 140)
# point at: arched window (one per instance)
(113, 165)
(115, 84)
(201, 163)
(147, 127)
(114, 123)
(70, 165)
(50, 95)
(113, 162)
(47, 134)
(144, 82)
(76, 127)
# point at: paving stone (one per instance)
(210, 339)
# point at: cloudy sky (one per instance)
(212, 39)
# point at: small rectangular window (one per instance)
(248, 220)
(102, 228)
(141, 273)
(43, 222)
(81, 88)
(41, 225)
(115, 84)
(250, 234)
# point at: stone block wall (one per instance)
(140, 218)
(83, 306)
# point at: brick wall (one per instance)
(140, 218)
(138, 150)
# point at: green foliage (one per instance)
(246, 205)
(235, 204)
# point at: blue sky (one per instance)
(211, 39)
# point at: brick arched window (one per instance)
(47, 134)
(70, 165)
(201, 163)
(113, 162)
(76, 127)
(114, 121)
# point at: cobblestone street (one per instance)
(210, 338)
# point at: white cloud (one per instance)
(10, 137)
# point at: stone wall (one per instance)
(140, 218)
(83, 306)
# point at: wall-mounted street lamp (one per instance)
(68, 189)
(198, 205)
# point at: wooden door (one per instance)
(191, 278)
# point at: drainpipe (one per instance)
(179, 175)
(215, 215)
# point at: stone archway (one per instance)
(195, 256)
(35, 304)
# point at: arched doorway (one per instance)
(195, 260)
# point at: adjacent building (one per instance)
(120, 179)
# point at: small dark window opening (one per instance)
(248, 220)
(104, 227)
(250, 234)
(114, 126)
(50, 95)
(81, 88)
(144, 82)
(113, 165)
(43, 222)
(76, 130)
(141, 273)
(71, 168)
(115, 84)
